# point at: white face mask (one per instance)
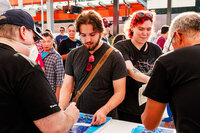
(30, 47)
(33, 52)
(19, 47)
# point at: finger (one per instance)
(93, 120)
(98, 120)
(104, 120)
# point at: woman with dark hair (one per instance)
(139, 56)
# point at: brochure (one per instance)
(83, 124)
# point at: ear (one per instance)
(22, 32)
(177, 40)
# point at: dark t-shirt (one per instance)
(59, 39)
(143, 61)
(67, 45)
(176, 79)
(100, 89)
(24, 93)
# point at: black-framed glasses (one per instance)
(89, 65)
(170, 43)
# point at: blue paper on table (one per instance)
(142, 129)
(83, 124)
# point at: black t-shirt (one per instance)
(143, 61)
(67, 45)
(25, 93)
(100, 89)
(176, 79)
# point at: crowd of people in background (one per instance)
(132, 76)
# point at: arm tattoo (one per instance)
(135, 70)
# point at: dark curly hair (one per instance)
(90, 17)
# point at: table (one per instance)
(119, 126)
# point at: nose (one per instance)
(145, 32)
(87, 39)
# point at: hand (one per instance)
(72, 111)
(99, 117)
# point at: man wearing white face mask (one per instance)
(26, 100)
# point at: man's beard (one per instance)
(92, 48)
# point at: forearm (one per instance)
(57, 122)
(64, 99)
(135, 73)
(149, 124)
(64, 56)
(57, 93)
(113, 102)
(138, 76)
(66, 91)
(152, 114)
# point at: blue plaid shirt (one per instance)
(54, 69)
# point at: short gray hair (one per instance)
(188, 22)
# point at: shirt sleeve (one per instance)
(121, 47)
(68, 65)
(36, 96)
(59, 71)
(158, 85)
(56, 40)
(119, 67)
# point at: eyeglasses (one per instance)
(89, 65)
(168, 49)
(170, 43)
(62, 30)
(141, 15)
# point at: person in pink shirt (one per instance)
(164, 33)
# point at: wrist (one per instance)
(147, 79)
(69, 117)
(105, 110)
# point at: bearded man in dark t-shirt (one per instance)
(107, 89)
(176, 78)
(139, 56)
